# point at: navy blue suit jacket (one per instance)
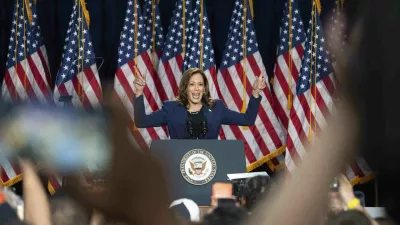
(174, 117)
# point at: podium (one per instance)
(193, 166)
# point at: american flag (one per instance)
(171, 67)
(78, 76)
(10, 173)
(154, 42)
(287, 67)
(27, 75)
(358, 171)
(200, 52)
(240, 66)
(135, 59)
(313, 103)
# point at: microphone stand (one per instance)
(190, 129)
(204, 129)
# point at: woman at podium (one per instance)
(194, 114)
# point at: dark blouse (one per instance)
(195, 126)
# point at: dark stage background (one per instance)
(107, 20)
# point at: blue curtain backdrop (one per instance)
(107, 20)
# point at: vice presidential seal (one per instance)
(198, 167)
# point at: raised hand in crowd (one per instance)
(135, 192)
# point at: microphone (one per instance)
(204, 129)
(190, 129)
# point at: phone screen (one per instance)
(66, 139)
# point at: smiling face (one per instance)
(195, 89)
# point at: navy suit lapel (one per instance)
(182, 113)
(207, 111)
(209, 115)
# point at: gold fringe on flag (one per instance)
(12, 181)
(25, 5)
(201, 33)
(50, 188)
(135, 72)
(290, 96)
(153, 32)
(29, 11)
(312, 87)
(318, 3)
(87, 17)
(244, 50)
(184, 27)
(251, 9)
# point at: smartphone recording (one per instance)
(64, 139)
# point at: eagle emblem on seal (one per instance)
(198, 166)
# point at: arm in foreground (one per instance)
(142, 120)
(230, 117)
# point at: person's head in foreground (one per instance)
(187, 209)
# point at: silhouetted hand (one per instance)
(135, 191)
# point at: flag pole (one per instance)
(201, 34)
(317, 7)
(153, 31)
(83, 48)
(135, 50)
(79, 47)
(290, 96)
(244, 101)
(183, 27)
(312, 42)
(24, 35)
(16, 38)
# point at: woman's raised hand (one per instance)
(139, 84)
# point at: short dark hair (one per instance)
(226, 215)
(254, 189)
